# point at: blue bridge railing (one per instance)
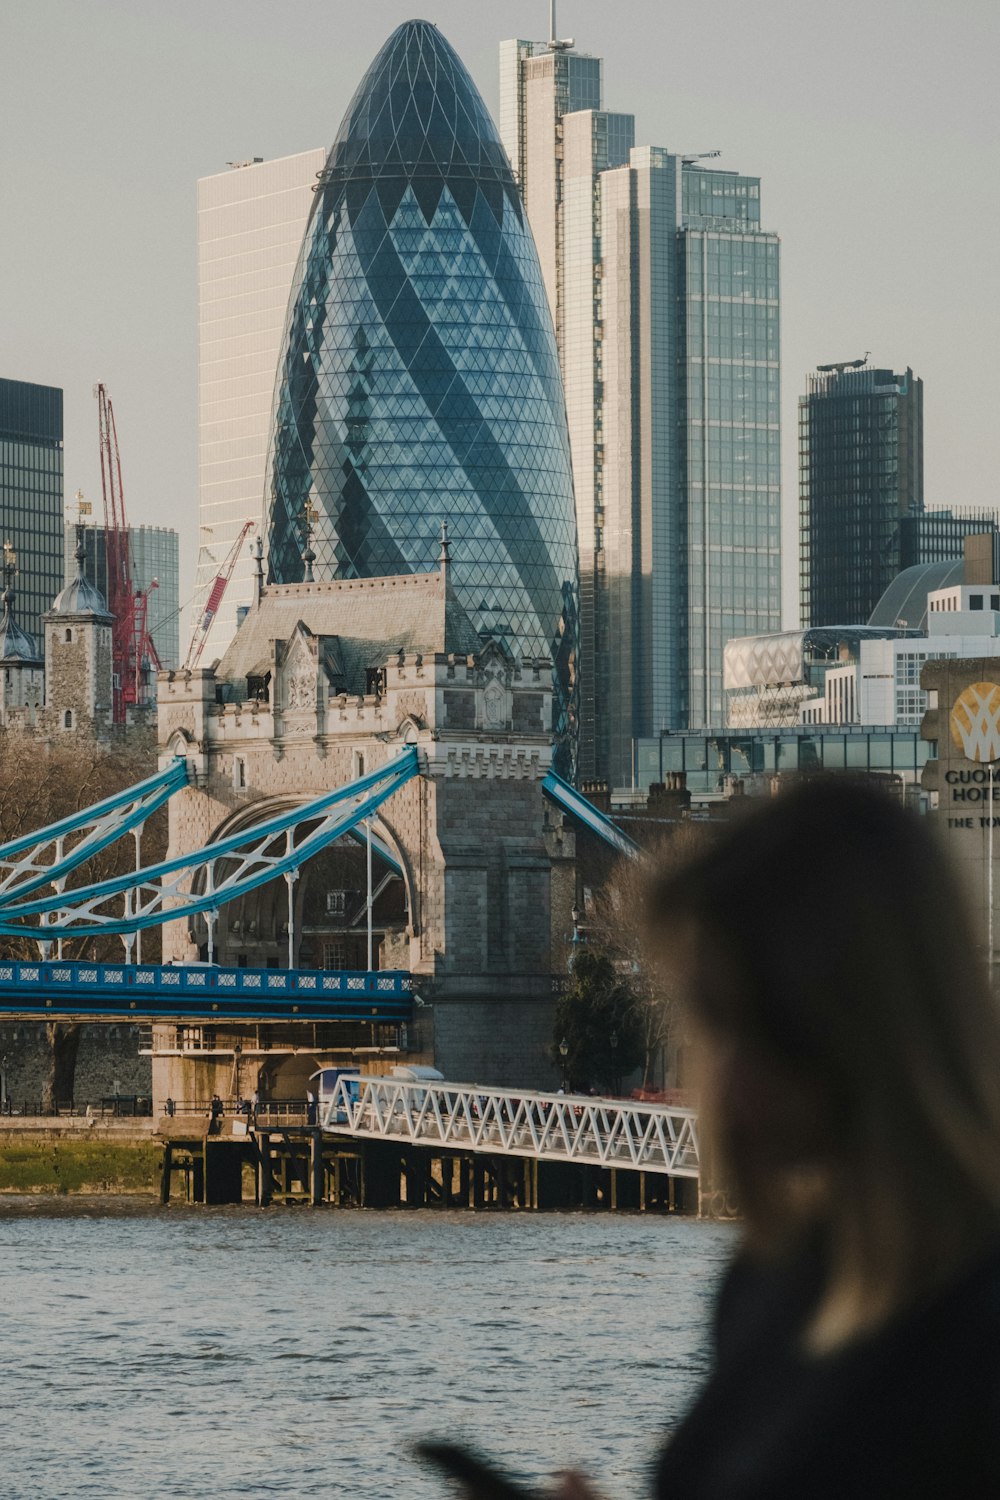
(155, 991)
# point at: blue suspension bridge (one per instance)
(38, 907)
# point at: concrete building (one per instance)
(31, 492)
(250, 224)
(869, 675)
(155, 555)
(325, 681)
(664, 291)
(962, 732)
(861, 472)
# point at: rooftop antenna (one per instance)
(554, 44)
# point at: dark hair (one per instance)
(827, 945)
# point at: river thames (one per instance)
(232, 1353)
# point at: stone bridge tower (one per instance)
(326, 681)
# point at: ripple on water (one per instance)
(282, 1349)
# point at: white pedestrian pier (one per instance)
(502, 1122)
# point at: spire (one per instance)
(9, 574)
(257, 553)
(81, 549)
(16, 645)
(307, 521)
(444, 560)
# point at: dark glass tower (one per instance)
(861, 471)
(420, 380)
(31, 493)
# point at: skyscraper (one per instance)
(664, 290)
(31, 493)
(861, 470)
(250, 223)
(419, 380)
(155, 554)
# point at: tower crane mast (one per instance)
(132, 648)
(215, 594)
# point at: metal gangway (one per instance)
(576, 1128)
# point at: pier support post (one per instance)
(165, 1173)
(265, 1186)
(316, 1168)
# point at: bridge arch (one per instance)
(250, 926)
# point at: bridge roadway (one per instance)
(456, 1117)
(75, 991)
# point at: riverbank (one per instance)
(62, 1157)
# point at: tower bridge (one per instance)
(361, 806)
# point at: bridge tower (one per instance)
(327, 681)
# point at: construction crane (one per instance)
(215, 593)
(133, 653)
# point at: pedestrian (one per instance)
(850, 1099)
(847, 1053)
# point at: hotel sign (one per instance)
(975, 722)
(975, 734)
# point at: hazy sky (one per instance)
(873, 125)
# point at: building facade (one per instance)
(155, 555)
(325, 682)
(31, 492)
(665, 295)
(861, 472)
(419, 380)
(937, 536)
(250, 223)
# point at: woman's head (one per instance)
(849, 1037)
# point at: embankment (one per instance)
(79, 1156)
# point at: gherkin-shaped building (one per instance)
(419, 380)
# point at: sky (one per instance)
(873, 126)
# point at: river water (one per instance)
(232, 1353)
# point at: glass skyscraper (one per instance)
(31, 493)
(861, 471)
(155, 554)
(420, 379)
(665, 295)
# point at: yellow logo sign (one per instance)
(975, 722)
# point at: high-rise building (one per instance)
(250, 223)
(419, 379)
(664, 290)
(861, 472)
(155, 554)
(31, 493)
(931, 536)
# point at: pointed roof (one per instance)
(360, 623)
(417, 119)
(17, 647)
(80, 597)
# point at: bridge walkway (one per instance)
(652, 1138)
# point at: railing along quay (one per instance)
(550, 1127)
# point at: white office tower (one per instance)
(664, 293)
(251, 220)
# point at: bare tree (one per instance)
(39, 785)
(616, 924)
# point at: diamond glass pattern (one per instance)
(420, 380)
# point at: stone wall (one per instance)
(108, 1054)
(501, 1042)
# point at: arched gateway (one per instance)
(473, 871)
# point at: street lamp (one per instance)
(563, 1054)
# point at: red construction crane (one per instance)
(132, 650)
(215, 593)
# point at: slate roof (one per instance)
(16, 645)
(360, 622)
